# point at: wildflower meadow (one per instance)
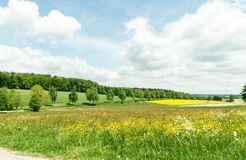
(128, 132)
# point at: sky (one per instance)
(195, 46)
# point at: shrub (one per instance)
(15, 100)
(46, 100)
(3, 100)
(217, 98)
(35, 103)
(243, 93)
(231, 98)
(42, 94)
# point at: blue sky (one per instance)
(177, 44)
(104, 19)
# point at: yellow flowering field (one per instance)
(128, 132)
(185, 102)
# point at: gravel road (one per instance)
(5, 155)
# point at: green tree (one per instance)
(101, 90)
(158, 94)
(131, 94)
(42, 94)
(3, 100)
(46, 100)
(11, 93)
(110, 95)
(174, 95)
(35, 103)
(92, 95)
(73, 96)
(13, 82)
(15, 100)
(4, 79)
(217, 98)
(163, 94)
(53, 94)
(243, 93)
(38, 90)
(168, 94)
(138, 94)
(26, 80)
(210, 98)
(141, 94)
(122, 95)
(147, 95)
(153, 95)
(231, 98)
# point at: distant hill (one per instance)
(221, 95)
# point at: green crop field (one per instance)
(62, 98)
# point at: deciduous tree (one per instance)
(243, 93)
(35, 103)
(92, 95)
(3, 100)
(122, 95)
(110, 95)
(53, 94)
(147, 95)
(42, 94)
(231, 98)
(15, 100)
(210, 98)
(73, 96)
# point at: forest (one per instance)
(26, 81)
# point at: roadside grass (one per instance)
(128, 131)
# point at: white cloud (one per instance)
(18, 14)
(97, 43)
(24, 15)
(201, 52)
(38, 61)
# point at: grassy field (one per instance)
(62, 98)
(137, 131)
(186, 102)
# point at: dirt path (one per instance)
(6, 155)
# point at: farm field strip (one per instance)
(62, 98)
(187, 102)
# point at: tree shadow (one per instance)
(89, 104)
(3, 112)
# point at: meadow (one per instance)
(62, 98)
(128, 131)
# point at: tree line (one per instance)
(14, 80)
(42, 95)
(10, 100)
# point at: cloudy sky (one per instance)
(196, 46)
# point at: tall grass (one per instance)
(135, 132)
